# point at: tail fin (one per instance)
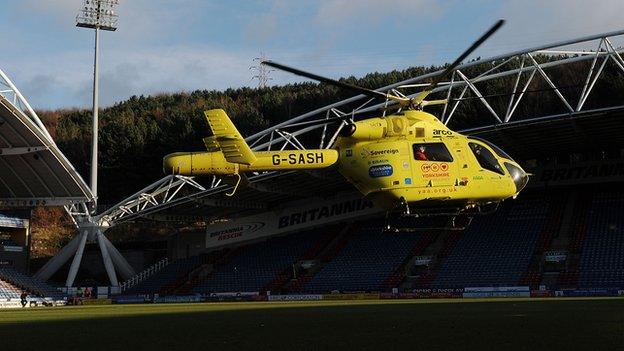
(230, 141)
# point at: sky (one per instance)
(183, 45)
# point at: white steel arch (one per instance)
(512, 66)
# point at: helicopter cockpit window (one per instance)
(486, 159)
(432, 152)
(496, 149)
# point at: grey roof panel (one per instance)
(33, 171)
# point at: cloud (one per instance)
(60, 10)
(156, 21)
(170, 69)
(151, 52)
(166, 46)
(265, 26)
(187, 68)
(145, 20)
(337, 13)
(143, 71)
(317, 33)
(42, 84)
(534, 22)
(322, 23)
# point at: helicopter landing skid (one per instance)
(406, 219)
(405, 210)
(415, 223)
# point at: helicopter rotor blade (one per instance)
(355, 88)
(418, 99)
(316, 122)
(434, 102)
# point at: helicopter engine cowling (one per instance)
(370, 129)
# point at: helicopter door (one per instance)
(486, 158)
(491, 169)
(461, 162)
(433, 165)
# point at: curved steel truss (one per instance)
(10, 92)
(516, 70)
(156, 194)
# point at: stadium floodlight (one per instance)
(98, 15)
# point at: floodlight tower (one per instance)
(98, 15)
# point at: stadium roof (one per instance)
(33, 171)
(572, 125)
(526, 139)
(589, 131)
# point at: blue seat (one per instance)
(602, 254)
(367, 260)
(495, 250)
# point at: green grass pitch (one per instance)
(501, 324)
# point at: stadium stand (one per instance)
(30, 284)
(9, 291)
(324, 251)
(503, 249)
(495, 250)
(556, 204)
(450, 239)
(369, 258)
(255, 267)
(166, 278)
(287, 275)
(569, 277)
(602, 257)
(399, 274)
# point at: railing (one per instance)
(148, 272)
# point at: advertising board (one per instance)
(291, 217)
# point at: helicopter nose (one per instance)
(522, 182)
(518, 175)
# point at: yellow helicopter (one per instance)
(407, 161)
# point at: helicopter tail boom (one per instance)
(228, 154)
(216, 162)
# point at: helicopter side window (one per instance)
(496, 149)
(486, 159)
(431, 152)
